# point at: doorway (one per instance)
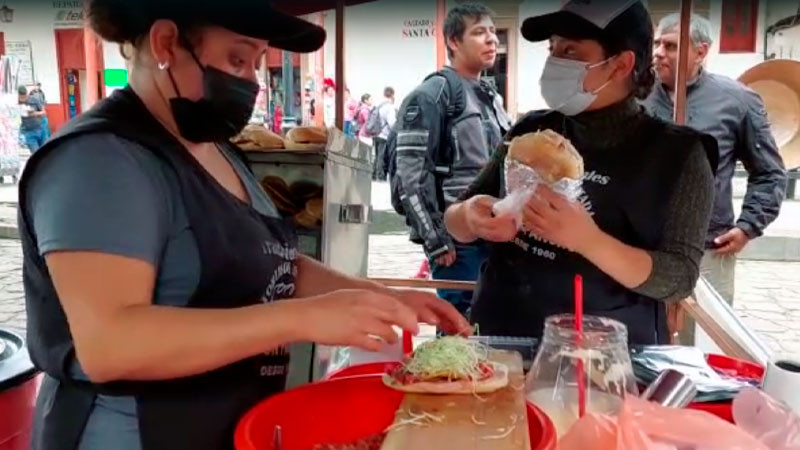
(71, 57)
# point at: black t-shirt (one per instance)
(32, 105)
(631, 172)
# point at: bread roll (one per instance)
(278, 192)
(257, 137)
(314, 208)
(308, 135)
(304, 190)
(550, 154)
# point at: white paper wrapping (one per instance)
(521, 183)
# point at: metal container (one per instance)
(672, 389)
(343, 173)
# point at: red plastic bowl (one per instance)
(341, 411)
(16, 408)
(731, 367)
(723, 410)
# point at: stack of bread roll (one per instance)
(256, 137)
(306, 138)
(302, 200)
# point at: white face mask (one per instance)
(562, 85)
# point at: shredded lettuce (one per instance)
(451, 357)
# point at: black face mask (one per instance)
(222, 113)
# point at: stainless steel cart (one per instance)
(343, 171)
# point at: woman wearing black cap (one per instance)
(154, 261)
(637, 237)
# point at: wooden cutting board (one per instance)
(497, 422)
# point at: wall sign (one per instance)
(68, 13)
(418, 28)
(21, 51)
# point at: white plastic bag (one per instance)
(521, 183)
(772, 422)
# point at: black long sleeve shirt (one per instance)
(735, 116)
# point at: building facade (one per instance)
(394, 42)
(387, 43)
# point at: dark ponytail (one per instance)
(127, 22)
(643, 82)
(120, 21)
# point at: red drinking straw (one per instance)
(579, 329)
(408, 345)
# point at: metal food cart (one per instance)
(342, 173)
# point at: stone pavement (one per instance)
(768, 300)
(12, 300)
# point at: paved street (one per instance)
(767, 293)
(12, 301)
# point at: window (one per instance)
(739, 23)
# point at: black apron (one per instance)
(626, 190)
(246, 259)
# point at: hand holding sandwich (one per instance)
(552, 217)
(483, 224)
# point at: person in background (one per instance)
(361, 116)
(350, 107)
(277, 118)
(735, 116)
(329, 102)
(33, 126)
(446, 132)
(38, 93)
(387, 114)
(636, 233)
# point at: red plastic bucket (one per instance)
(341, 411)
(16, 407)
(19, 383)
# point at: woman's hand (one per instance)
(481, 221)
(354, 317)
(552, 217)
(434, 311)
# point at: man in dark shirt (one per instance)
(735, 116)
(33, 124)
(38, 93)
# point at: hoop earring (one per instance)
(163, 65)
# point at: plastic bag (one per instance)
(521, 183)
(650, 361)
(642, 425)
(771, 422)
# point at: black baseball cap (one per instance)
(618, 25)
(125, 20)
